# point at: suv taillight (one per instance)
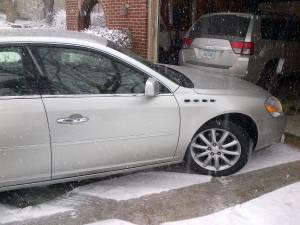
(187, 42)
(244, 48)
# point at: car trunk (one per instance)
(219, 40)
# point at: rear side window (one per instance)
(274, 29)
(15, 71)
(221, 26)
(280, 29)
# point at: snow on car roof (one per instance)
(48, 36)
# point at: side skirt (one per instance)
(91, 176)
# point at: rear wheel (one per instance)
(220, 148)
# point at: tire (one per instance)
(269, 80)
(241, 149)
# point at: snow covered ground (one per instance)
(273, 156)
(141, 184)
(154, 182)
(9, 214)
(20, 23)
(123, 188)
(278, 207)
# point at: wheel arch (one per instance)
(270, 62)
(240, 119)
(266, 81)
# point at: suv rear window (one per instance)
(220, 26)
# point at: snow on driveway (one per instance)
(147, 183)
(10, 214)
(278, 207)
(111, 222)
(141, 184)
(273, 156)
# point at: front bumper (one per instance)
(271, 131)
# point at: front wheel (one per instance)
(220, 148)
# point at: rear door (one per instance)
(217, 39)
(24, 136)
(98, 114)
(279, 35)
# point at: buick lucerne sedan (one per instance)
(74, 106)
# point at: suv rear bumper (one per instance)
(239, 68)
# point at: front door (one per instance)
(99, 117)
(25, 154)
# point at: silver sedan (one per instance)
(74, 106)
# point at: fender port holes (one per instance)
(197, 100)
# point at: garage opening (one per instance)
(264, 51)
(176, 18)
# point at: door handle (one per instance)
(73, 119)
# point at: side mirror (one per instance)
(152, 87)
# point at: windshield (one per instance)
(169, 73)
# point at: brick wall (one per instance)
(136, 20)
(72, 11)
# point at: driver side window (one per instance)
(77, 71)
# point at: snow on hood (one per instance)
(216, 83)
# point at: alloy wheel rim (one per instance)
(215, 149)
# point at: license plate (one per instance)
(207, 53)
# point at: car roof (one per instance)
(25, 35)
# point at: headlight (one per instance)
(273, 106)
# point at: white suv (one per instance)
(259, 48)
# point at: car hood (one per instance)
(205, 82)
